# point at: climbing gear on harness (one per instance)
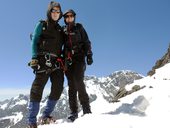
(47, 71)
(52, 63)
(34, 64)
(69, 61)
(74, 44)
(48, 60)
(61, 63)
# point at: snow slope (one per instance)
(146, 108)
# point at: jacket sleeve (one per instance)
(86, 41)
(35, 39)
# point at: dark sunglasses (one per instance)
(67, 16)
(57, 11)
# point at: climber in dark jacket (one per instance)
(77, 49)
(47, 43)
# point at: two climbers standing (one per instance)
(49, 57)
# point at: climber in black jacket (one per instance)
(77, 49)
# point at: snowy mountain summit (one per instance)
(145, 108)
(13, 112)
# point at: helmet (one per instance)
(69, 11)
(51, 5)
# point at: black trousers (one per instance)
(56, 78)
(75, 77)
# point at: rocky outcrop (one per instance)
(122, 92)
(161, 62)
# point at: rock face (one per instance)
(161, 62)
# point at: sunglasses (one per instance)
(53, 11)
(67, 16)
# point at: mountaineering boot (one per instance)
(73, 116)
(46, 118)
(32, 115)
(32, 126)
(86, 109)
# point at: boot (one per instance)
(46, 120)
(86, 109)
(32, 126)
(73, 116)
(32, 115)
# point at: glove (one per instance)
(89, 59)
(34, 64)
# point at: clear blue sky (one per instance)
(125, 35)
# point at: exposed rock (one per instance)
(161, 62)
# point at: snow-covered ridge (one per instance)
(163, 73)
(4, 106)
(16, 117)
(98, 88)
(148, 107)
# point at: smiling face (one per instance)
(55, 13)
(69, 18)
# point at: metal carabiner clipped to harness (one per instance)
(48, 60)
(57, 65)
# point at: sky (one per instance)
(125, 35)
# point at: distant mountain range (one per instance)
(13, 112)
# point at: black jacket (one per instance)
(76, 41)
(51, 38)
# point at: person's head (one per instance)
(69, 16)
(54, 11)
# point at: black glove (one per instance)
(89, 59)
(34, 64)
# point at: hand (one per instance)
(34, 64)
(89, 59)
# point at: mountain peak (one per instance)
(125, 72)
(124, 77)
